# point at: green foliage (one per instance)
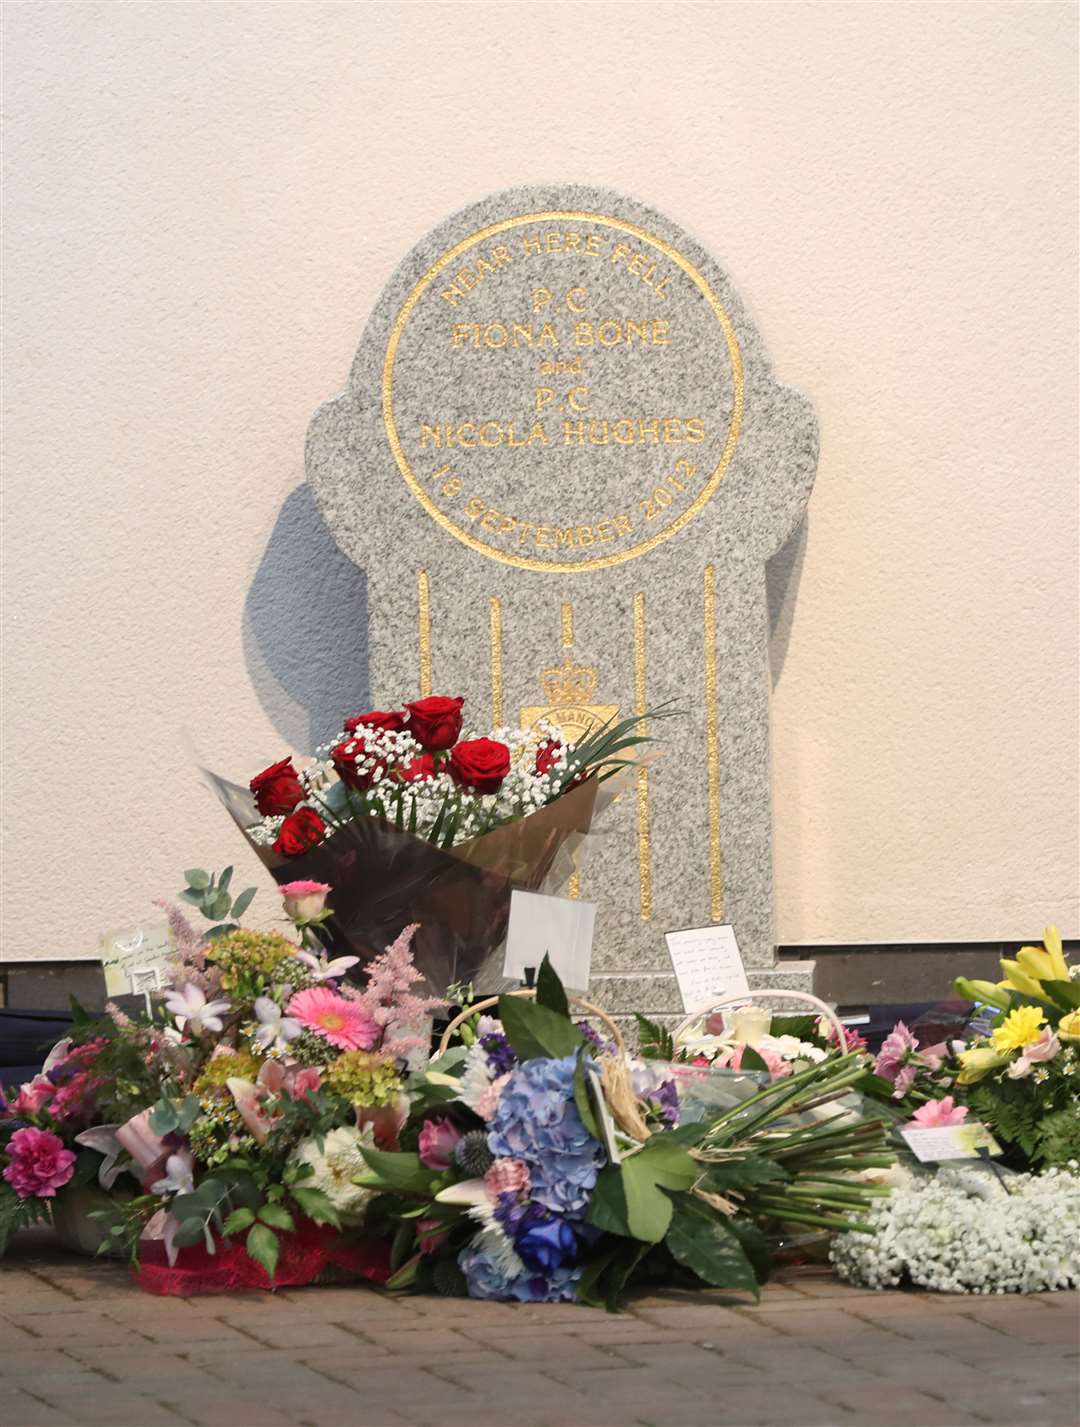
(1065, 994)
(751, 1060)
(654, 1041)
(169, 1115)
(704, 1242)
(737, 1175)
(16, 1213)
(397, 1170)
(1059, 1137)
(534, 1030)
(549, 989)
(210, 893)
(804, 1028)
(316, 1205)
(629, 1199)
(262, 1245)
(581, 1096)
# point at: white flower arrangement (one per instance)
(961, 1231)
(335, 1160)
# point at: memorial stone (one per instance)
(562, 461)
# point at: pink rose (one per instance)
(437, 1141)
(1045, 1048)
(40, 1164)
(304, 900)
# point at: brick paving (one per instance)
(80, 1344)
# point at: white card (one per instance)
(600, 1108)
(941, 1142)
(134, 959)
(708, 965)
(558, 926)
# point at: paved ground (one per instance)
(80, 1344)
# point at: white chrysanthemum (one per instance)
(477, 1075)
(960, 1232)
(334, 1165)
(495, 1244)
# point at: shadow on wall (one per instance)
(305, 624)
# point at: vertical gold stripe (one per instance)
(573, 887)
(423, 607)
(644, 848)
(567, 626)
(495, 627)
(712, 735)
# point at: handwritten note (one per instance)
(558, 926)
(942, 1142)
(708, 965)
(134, 959)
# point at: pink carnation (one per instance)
(40, 1164)
(508, 1176)
(938, 1112)
(345, 1024)
(776, 1065)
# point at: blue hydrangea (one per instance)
(536, 1120)
(486, 1279)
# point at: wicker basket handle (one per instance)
(749, 996)
(530, 992)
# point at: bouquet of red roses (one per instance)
(412, 822)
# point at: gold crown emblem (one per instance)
(570, 683)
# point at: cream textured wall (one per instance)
(202, 204)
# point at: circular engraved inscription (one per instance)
(562, 391)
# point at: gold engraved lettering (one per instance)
(423, 620)
(712, 750)
(567, 614)
(495, 630)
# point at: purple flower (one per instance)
(595, 1039)
(500, 1056)
(545, 1242)
(537, 1121)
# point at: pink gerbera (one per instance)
(345, 1024)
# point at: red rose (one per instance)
(480, 765)
(435, 723)
(344, 757)
(417, 769)
(546, 755)
(377, 718)
(277, 789)
(299, 831)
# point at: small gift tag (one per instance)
(134, 959)
(708, 965)
(556, 926)
(941, 1142)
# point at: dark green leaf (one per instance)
(804, 1028)
(581, 1097)
(277, 1217)
(627, 1258)
(534, 1031)
(754, 1245)
(654, 1041)
(703, 1242)
(316, 1205)
(225, 879)
(196, 877)
(741, 1174)
(588, 1288)
(188, 1112)
(262, 1245)
(240, 906)
(237, 1220)
(1065, 993)
(405, 1275)
(549, 989)
(401, 1246)
(607, 1207)
(751, 1060)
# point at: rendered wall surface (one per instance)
(202, 204)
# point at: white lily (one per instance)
(103, 1139)
(469, 1192)
(276, 1029)
(179, 1176)
(191, 1009)
(324, 970)
(58, 1053)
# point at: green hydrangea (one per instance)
(245, 955)
(232, 1065)
(363, 1078)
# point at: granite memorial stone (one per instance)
(562, 461)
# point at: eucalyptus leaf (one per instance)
(219, 908)
(240, 906)
(191, 1231)
(225, 878)
(196, 877)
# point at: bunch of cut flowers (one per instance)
(411, 816)
(1016, 1070)
(228, 1125)
(541, 1163)
(750, 1038)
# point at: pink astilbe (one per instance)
(120, 1019)
(390, 1002)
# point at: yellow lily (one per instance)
(1052, 942)
(1017, 979)
(974, 1064)
(1036, 963)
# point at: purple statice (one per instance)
(500, 1056)
(537, 1121)
(487, 1279)
(595, 1039)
